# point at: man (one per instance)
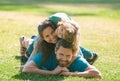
(60, 63)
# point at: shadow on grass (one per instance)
(35, 2)
(37, 77)
(18, 57)
(75, 14)
(43, 9)
(38, 7)
(14, 5)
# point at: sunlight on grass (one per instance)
(109, 11)
(100, 32)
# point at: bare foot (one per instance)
(22, 46)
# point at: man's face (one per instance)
(63, 56)
(49, 35)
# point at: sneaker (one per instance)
(23, 60)
(33, 36)
(95, 57)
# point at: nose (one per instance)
(63, 58)
(51, 37)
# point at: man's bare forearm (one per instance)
(32, 68)
(35, 70)
(88, 74)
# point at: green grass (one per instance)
(100, 32)
(59, 1)
(99, 8)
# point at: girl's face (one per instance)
(59, 32)
(49, 35)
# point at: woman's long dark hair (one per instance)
(42, 46)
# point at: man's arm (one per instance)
(31, 67)
(88, 73)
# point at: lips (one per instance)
(63, 63)
(54, 40)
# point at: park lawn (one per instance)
(100, 32)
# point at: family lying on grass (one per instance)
(56, 50)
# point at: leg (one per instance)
(89, 56)
(30, 49)
(33, 48)
(26, 46)
(22, 46)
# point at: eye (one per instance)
(47, 36)
(68, 55)
(52, 32)
(61, 54)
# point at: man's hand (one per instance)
(19, 67)
(59, 69)
(91, 72)
(66, 73)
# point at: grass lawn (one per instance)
(100, 32)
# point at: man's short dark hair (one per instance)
(64, 43)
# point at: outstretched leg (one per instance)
(88, 55)
(24, 44)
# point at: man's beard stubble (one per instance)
(65, 64)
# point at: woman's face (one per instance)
(49, 35)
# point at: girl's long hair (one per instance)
(42, 46)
